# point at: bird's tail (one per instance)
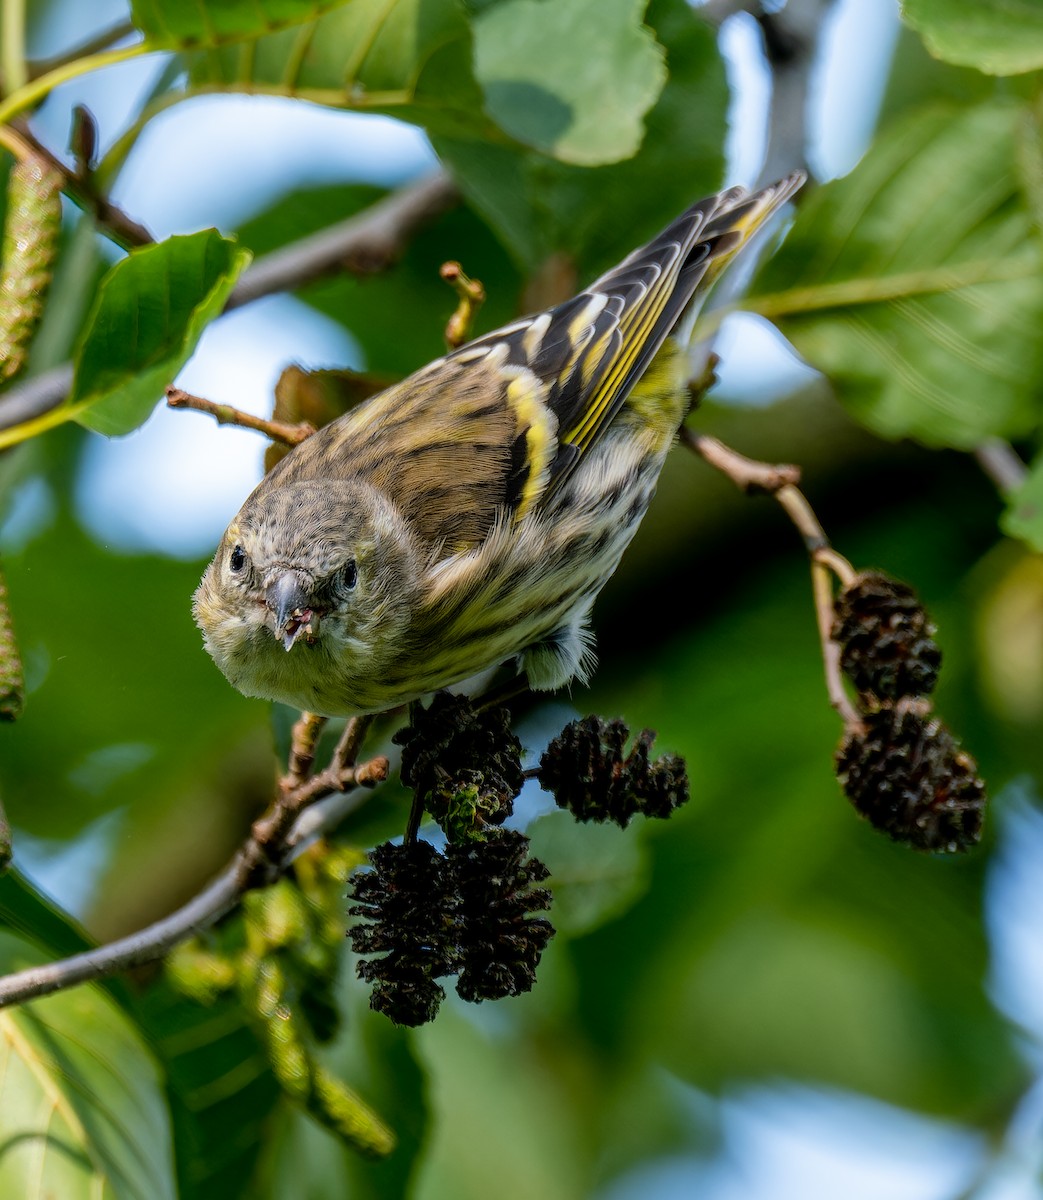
(659, 288)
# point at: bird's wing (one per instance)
(495, 426)
(584, 356)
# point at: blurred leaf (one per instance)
(150, 311)
(1000, 37)
(596, 871)
(1010, 638)
(172, 23)
(116, 663)
(506, 1132)
(82, 1105)
(780, 934)
(398, 316)
(916, 79)
(572, 78)
(222, 1092)
(409, 58)
(916, 284)
(596, 215)
(1024, 515)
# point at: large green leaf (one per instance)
(81, 1102)
(594, 216)
(1000, 37)
(916, 282)
(150, 311)
(572, 78)
(211, 22)
(410, 58)
(221, 1088)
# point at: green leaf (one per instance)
(596, 871)
(1023, 517)
(150, 311)
(916, 282)
(572, 78)
(221, 1089)
(409, 58)
(81, 1102)
(593, 216)
(174, 24)
(26, 912)
(999, 37)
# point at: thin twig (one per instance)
(746, 473)
(471, 295)
(363, 244)
(225, 414)
(822, 591)
(780, 481)
(791, 40)
(269, 832)
(82, 190)
(377, 234)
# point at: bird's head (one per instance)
(311, 585)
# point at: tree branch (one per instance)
(227, 414)
(274, 841)
(367, 242)
(1002, 464)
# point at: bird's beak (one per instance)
(288, 600)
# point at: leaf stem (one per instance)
(89, 48)
(35, 90)
(12, 45)
(846, 293)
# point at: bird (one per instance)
(468, 516)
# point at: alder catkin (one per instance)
(30, 241)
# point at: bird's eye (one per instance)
(348, 575)
(237, 559)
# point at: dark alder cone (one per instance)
(404, 901)
(907, 775)
(886, 647)
(498, 944)
(463, 763)
(587, 769)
